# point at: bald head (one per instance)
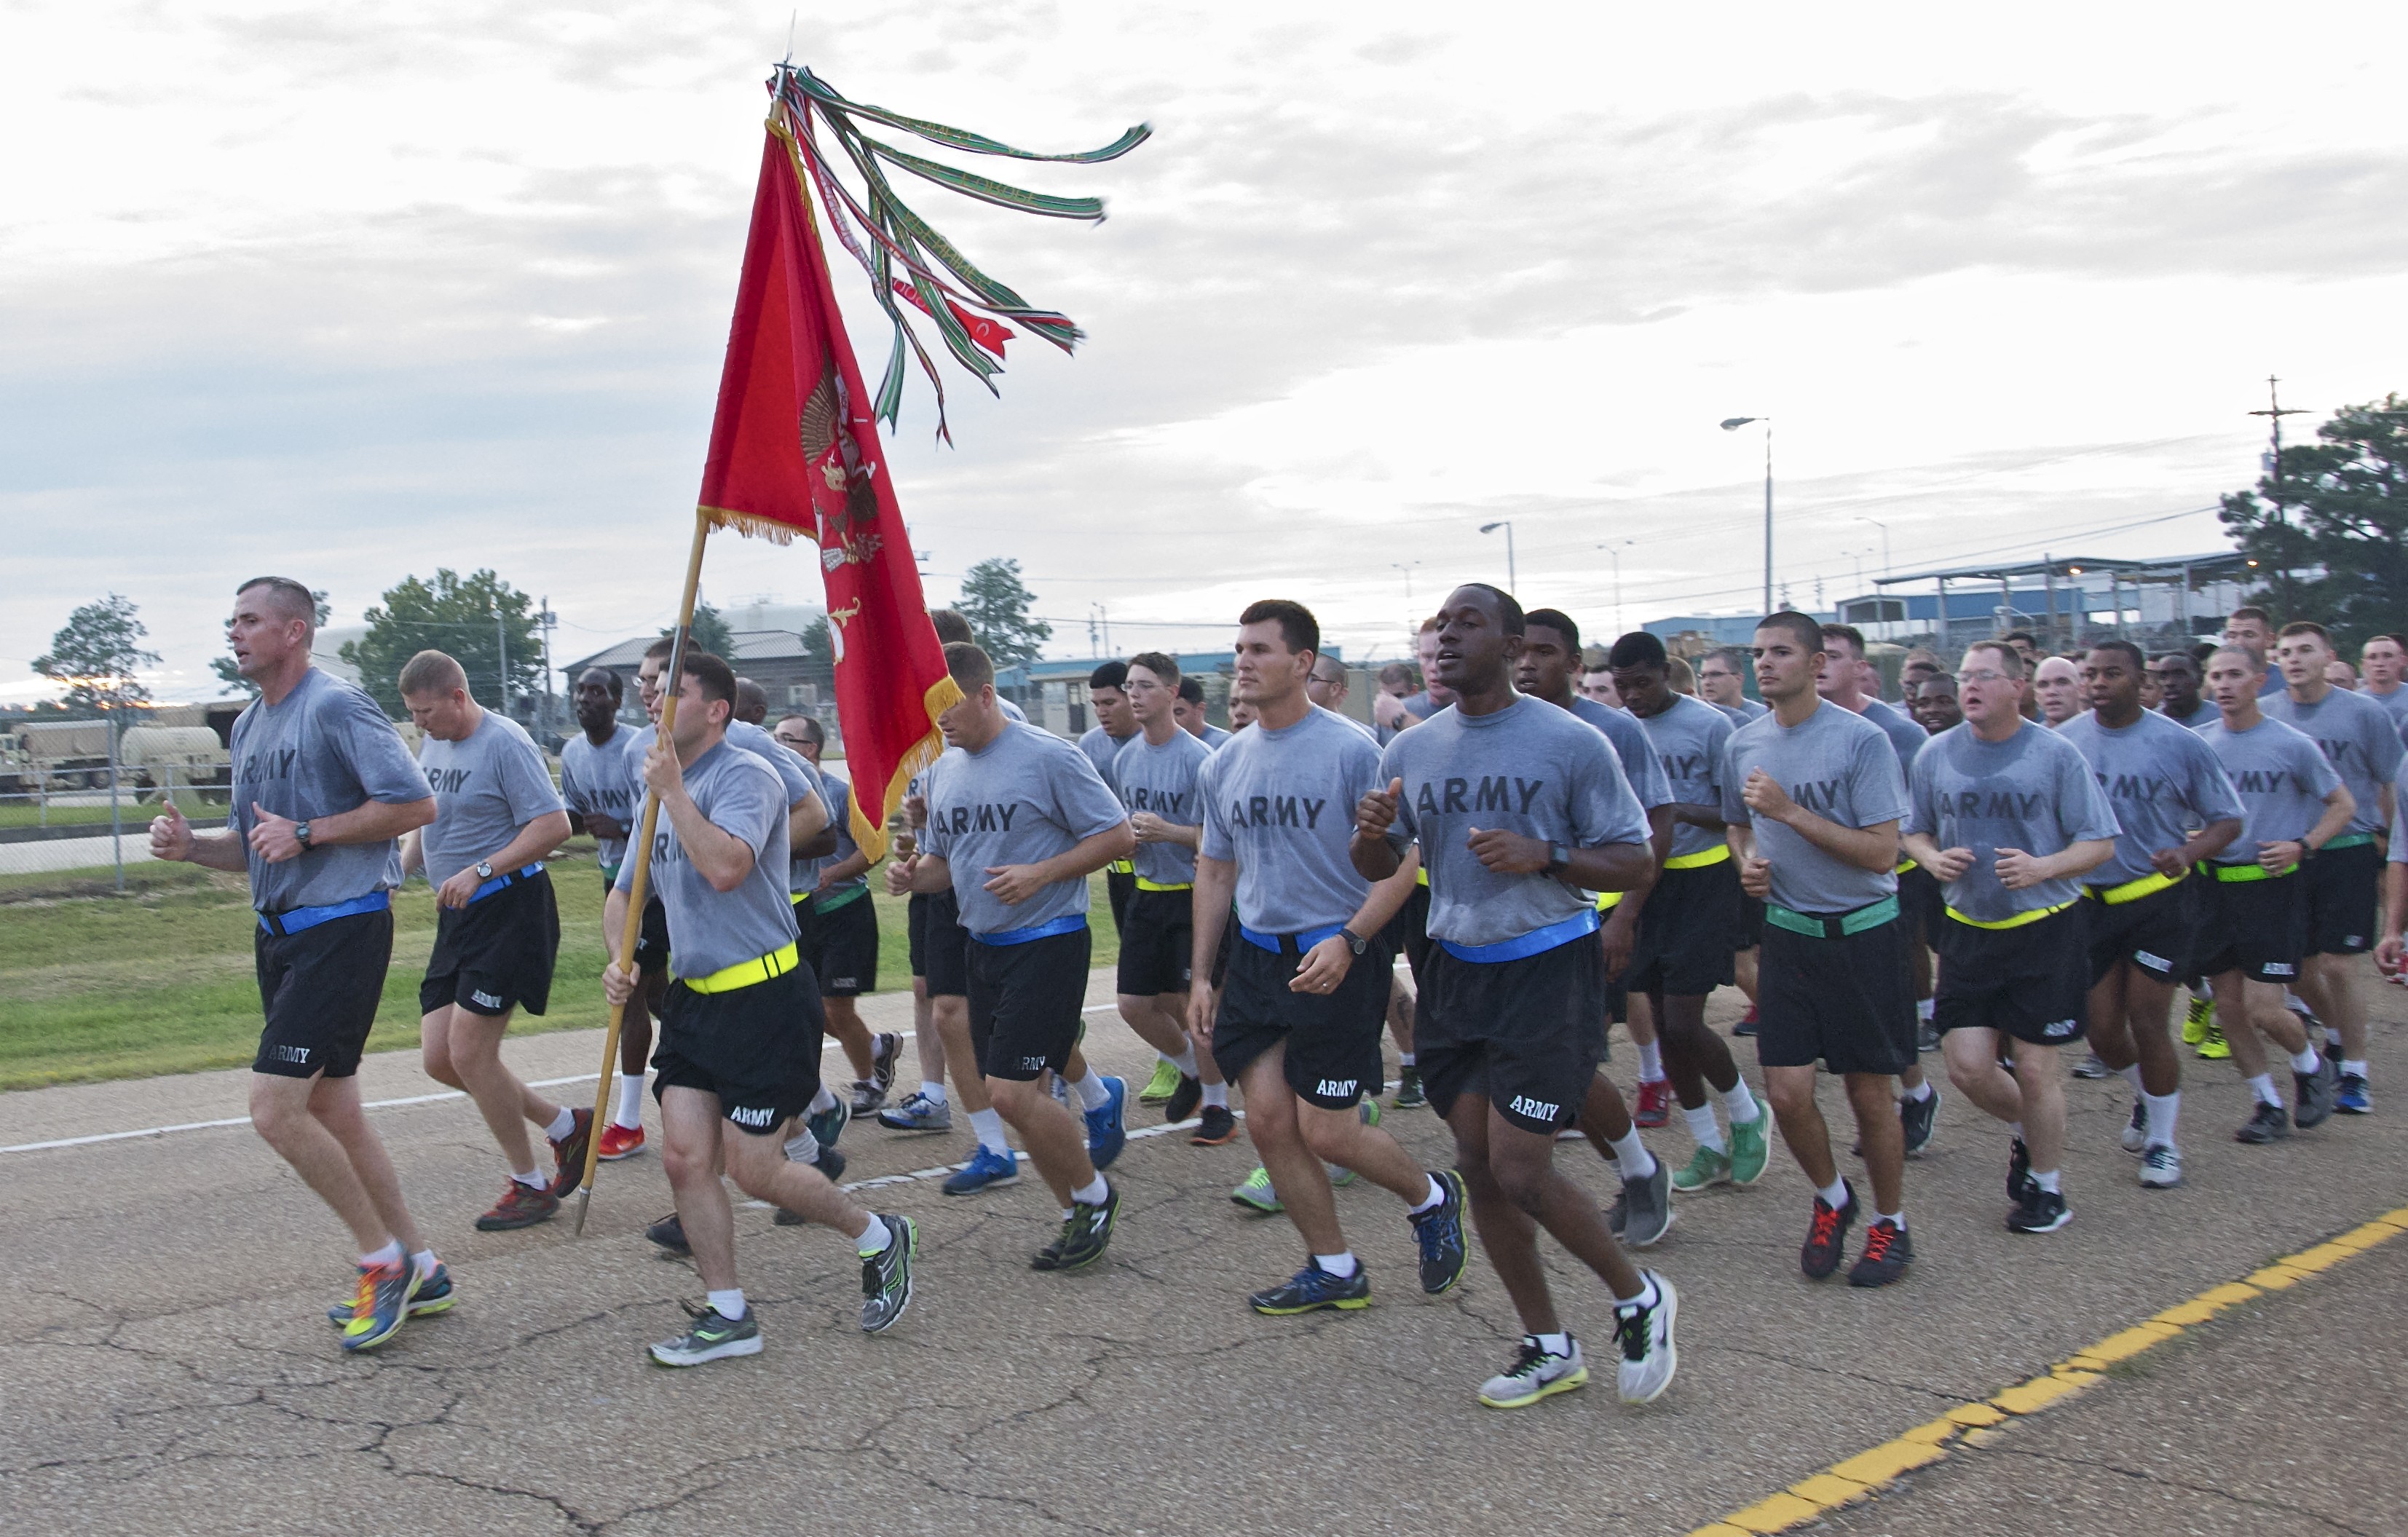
(2057, 683)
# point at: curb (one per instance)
(1868, 1472)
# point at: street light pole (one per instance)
(1885, 529)
(1733, 423)
(1613, 553)
(1513, 577)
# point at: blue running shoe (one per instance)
(385, 1294)
(918, 1112)
(986, 1169)
(1439, 1234)
(1312, 1288)
(433, 1296)
(828, 1125)
(1106, 1134)
(2350, 1096)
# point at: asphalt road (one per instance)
(165, 1366)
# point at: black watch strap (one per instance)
(1354, 942)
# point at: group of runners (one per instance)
(1555, 839)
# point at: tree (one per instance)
(996, 603)
(2330, 522)
(457, 617)
(97, 654)
(231, 675)
(710, 633)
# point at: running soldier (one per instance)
(1193, 718)
(597, 785)
(839, 925)
(1115, 729)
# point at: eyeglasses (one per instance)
(1986, 675)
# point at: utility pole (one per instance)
(1513, 576)
(502, 646)
(550, 619)
(2274, 414)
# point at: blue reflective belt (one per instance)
(1275, 942)
(299, 918)
(1524, 945)
(498, 881)
(1069, 925)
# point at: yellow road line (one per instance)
(1867, 1472)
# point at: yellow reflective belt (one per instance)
(2132, 891)
(777, 963)
(1144, 885)
(1714, 855)
(1904, 865)
(1122, 867)
(2247, 872)
(1608, 901)
(2016, 922)
(1421, 876)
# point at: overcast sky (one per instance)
(350, 293)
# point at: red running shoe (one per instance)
(1655, 1106)
(619, 1141)
(521, 1206)
(568, 1154)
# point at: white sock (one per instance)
(1339, 1264)
(988, 1123)
(1632, 1155)
(1898, 1217)
(1835, 1196)
(1923, 1009)
(2049, 1181)
(2263, 1086)
(728, 1304)
(1184, 1061)
(1094, 1193)
(1920, 1092)
(2132, 1076)
(386, 1255)
(2306, 1060)
(423, 1261)
(1404, 1059)
(1645, 1297)
(1738, 1104)
(1703, 1128)
(562, 1124)
(1554, 1344)
(630, 1114)
(874, 1239)
(932, 1092)
(531, 1180)
(2161, 1110)
(1092, 1093)
(802, 1148)
(824, 1099)
(1436, 1197)
(1217, 1094)
(2353, 1069)
(1651, 1062)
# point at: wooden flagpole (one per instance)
(672, 681)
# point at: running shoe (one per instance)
(1186, 1095)
(620, 1142)
(1312, 1288)
(383, 1302)
(829, 1124)
(1706, 1166)
(670, 1233)
(521, 1206)
(1107, 1134)
(1216, 1128)
(886, 1275)
(1927, 1035)
(2041, 1212)
(2160, 1168)
(1887, 1254)
(1409, 1088)
(2019, 1178)
(1915, 1118)
(2350, 1097)
(1438, 1232)
(2312, 1103)
(1653, 1103)
(1644, 1332)
(885, 1051)
(1646, 1208)
(1827, 1239)
(433, 1296)
(918, 1112)
(1750, 1147)
(2212, 1047)
(1255, 1193)
(709, 1337)
(2198, 1020)
(2092, 1066)
(2266, 1124)
(2136, 1130)
(1537, 1373)
(568, 1154)
(1085, 1232)
(1746, 1025)
(986, 1169)
(1159, 1088)
(865, 1098)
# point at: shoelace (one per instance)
(1427, 1234)
(1528, 1360)
(1827, 1223)
(364, 1305)
(1879, 1241)
(1630, 1331)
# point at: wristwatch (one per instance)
(484, 869)
(1559, 858)
(301, 834)
(1354, 942)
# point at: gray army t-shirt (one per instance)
(2283, 778)
(2033, 792)
(1632, 746)
(793, 770)
(325, 749)
(710, 930)
(839, 798)
(487, 788)
(1689, 739)
(2161, 782)
(1281, 805)
(1102, 747)
(1837, 765)
(599, 782)
(1529, 768)
(1162, 779)
(2206, 714)
(1025, 796)
(2359, 740)
(1906, 739)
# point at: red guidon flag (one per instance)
(795, 447)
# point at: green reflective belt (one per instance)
(1837, 927)
(841, 897)
(2349, 840)
(2232, 873)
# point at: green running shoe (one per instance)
(2199, 1020)
(1409, 1090)
(1255, 1194)
(2212, 1047)
(709, 1338)
(1162, 1085)
(1750, 1148)
(1706, 1166)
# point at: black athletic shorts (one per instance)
(1332, 1039)
(1119, 885)
(1920, 902)
(1409, 930)
(757, 1048)
(2342, 888)
(1526, 1035)
(1025, 1002)
(1751, 921)
(652, 937)
(1221, 955)
(2031, 983)
(1687, 932)
(1157, 942)
(320, 989)
(841, 944)
(1844, 1003)
(495, 956)
(939, 943)
(2256, 927)
(2158, 933)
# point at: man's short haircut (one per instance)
(1396, 672)
(431, 673)
(1509, 611)
(717, 679)
(1921, 657)
(1938, 680)
(1729, 657)
(2200, 652)
(1110, 675)
(1299, 630)
(1853, 636)
(751, 698)
(1637, 649)
(2393, 638)
(659, 649)
(2131, 653)
(1429, 627)
(1555, 620)
(952, 628)
(291, 599)
(2011, 661)
(2026, 637)
(610, 679)
(970, 665)
(812, 729)
(2306, 626)
(1192, 690)
(2250, 610)
(2183, 657)
(2247, 653)
(1164, 670)
(1340, 666)
(1682, 677)
(1803, 630)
